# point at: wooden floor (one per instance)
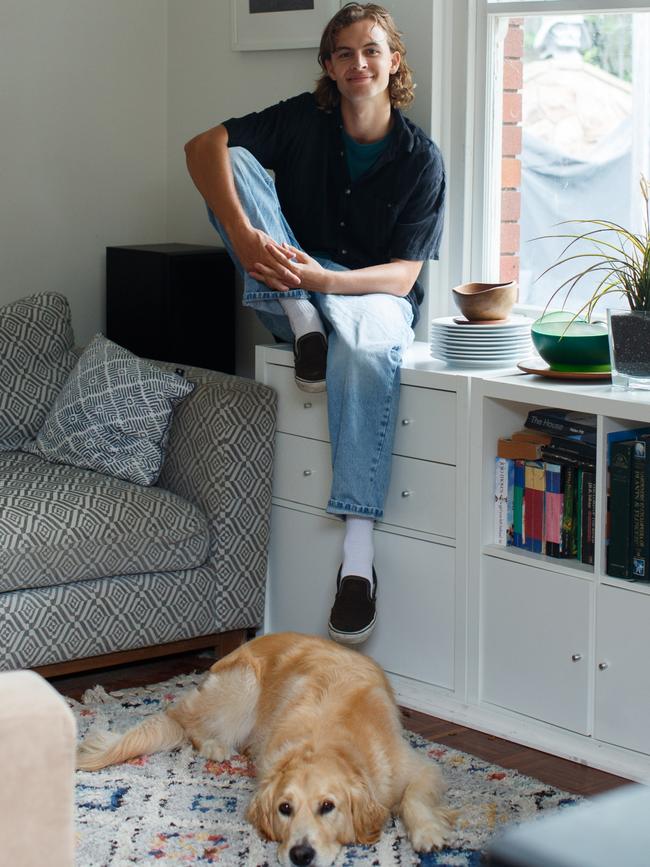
(549, 769)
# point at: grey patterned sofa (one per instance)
(95, 570)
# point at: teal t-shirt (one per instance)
(361, 157)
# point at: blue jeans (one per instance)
(367, 335)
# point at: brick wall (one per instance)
(513, 53)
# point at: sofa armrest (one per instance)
(37, 757)
(220, 457)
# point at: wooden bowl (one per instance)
(480, 302)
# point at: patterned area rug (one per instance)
(177, 808)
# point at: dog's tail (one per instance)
(159, 732)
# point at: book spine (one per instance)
(518, 505)
(552, 510)
(639, 552)
(588, 515)
(620, 498)
(534, 506)
(568, 537)
(510, 509)
(501, 501)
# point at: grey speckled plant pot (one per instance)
(629, 343)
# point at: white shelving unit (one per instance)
(556, 642)
(550, 653)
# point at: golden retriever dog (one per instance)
(321, 725)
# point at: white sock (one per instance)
(358, 549)
(302, 315)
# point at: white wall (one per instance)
(83, 143)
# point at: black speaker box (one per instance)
(173, 302)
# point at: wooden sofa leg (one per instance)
(229, 641)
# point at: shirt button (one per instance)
(344, 252)
(348, 191)
(342, 223)
(341, 153)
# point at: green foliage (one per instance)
(620, 258)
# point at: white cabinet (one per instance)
(414, 636)
(420, 563)
(535, 642)
(552, 653)
(623, 668)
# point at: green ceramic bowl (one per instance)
(571, 344)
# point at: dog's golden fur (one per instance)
(321, 724)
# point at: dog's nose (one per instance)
(302, 855)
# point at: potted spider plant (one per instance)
(620, 261)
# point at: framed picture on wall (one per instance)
(258, 25)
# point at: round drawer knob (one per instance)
(406, 493)
(406, 421)
(603, 666)
(576, 657)
(307, 404)
(306, 472)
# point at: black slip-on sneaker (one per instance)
(310, 361)
(353, 615)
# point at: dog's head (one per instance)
(313, 806)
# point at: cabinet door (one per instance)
(534, 642)
(623, 668)
(414, 636)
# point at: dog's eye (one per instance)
(326, 807)
(285, 808)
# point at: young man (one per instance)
(331, 253)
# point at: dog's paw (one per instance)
(431, 834)
(214, 750)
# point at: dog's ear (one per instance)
(260, 812)
(368, 815)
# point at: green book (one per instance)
(620, 509)
(639, 552)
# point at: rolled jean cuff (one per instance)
(338, 507)
(251, 299)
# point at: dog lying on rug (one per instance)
(321, 725)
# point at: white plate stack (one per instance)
(468, 344)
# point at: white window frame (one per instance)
(464, 74)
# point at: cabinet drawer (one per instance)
(535, 642)
(426, 421)
(426, 424)
(414, 636)
(421, 495)
(299, 413)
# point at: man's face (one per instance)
(362, 61)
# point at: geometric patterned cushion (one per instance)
(59, 525)
(112, 415)
(36, 355)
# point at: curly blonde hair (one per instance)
(400, 85)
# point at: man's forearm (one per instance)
(393, 278)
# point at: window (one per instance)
(566, 133)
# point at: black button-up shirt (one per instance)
(393, 211)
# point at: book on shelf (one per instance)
(533, 517)
(518, 504)
(639, 532)
(568, 533)
(588, 515)
(563, 423)
(574, 448)
(560, 456)
(553, 507)
(502, 471)
(628, 542)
